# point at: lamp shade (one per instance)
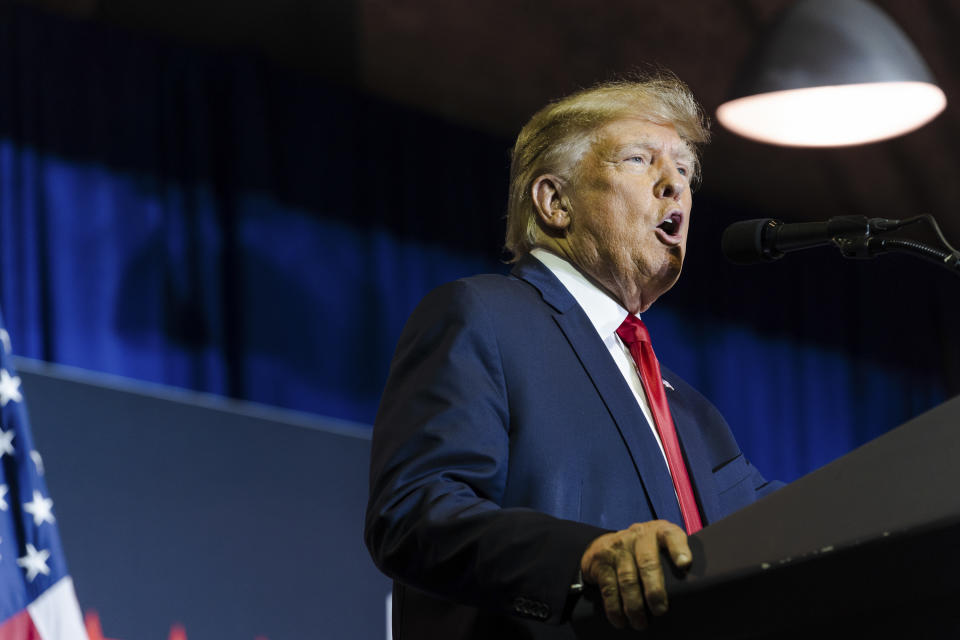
(832, 73)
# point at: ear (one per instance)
(552, 207)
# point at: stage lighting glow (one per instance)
(832, 116)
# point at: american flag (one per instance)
(37, 599)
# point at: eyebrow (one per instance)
(682, 153)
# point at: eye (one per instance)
(682, 171)
(637, 159)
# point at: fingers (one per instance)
(674, 540)
(631, 596)
(607, 562)
(626, 567)
(610, 592)
(647, 557)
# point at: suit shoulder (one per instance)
(486, 290)
(677, 383)
(694, 399)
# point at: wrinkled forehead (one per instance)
(625, 133)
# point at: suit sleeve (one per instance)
(439, 468)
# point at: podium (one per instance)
(868, 545)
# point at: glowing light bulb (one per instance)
(831, 116)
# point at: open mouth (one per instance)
(670, 226)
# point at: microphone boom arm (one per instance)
(766, 240)
(865, 247)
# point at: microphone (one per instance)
(765, 239)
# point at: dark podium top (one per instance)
(868, 544)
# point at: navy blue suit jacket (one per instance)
(506, 441)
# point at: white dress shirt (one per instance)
(606, 315)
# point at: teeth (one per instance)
(669, 226)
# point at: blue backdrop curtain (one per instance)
(214, 222)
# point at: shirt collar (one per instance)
(605, 314)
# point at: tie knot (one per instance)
(633, 330)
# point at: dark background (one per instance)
(491, 64)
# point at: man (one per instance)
(515, 451)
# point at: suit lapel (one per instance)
(696, 454)
(610, 385)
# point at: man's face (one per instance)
(630, 209)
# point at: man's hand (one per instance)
(626, 566)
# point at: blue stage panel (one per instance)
(234, 520)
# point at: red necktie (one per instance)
(635, 335)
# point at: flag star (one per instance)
(6, 442)
(5, 339)
(37, 461)
(3, 497)
(9, 388)
(35, 562)
(40, 507)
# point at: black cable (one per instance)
(875, 242)
(936, 228)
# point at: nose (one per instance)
(671, 183)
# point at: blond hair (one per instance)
(557, 136)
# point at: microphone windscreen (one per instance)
(742, 242)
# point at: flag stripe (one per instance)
(38, 600)
(19, 627)
(56, 613)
